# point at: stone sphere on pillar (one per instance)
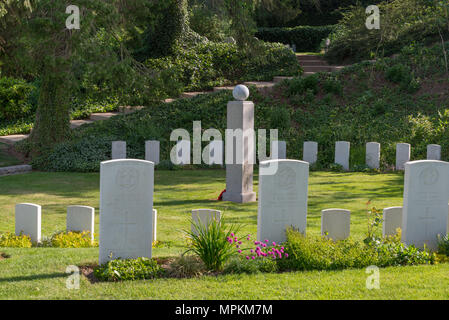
(240, 92)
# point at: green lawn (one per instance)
(40, 272)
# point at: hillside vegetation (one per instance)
(401, 99)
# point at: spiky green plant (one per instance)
(210, 243)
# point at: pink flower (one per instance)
(240, 242)
(256, 243)
(251, 251)
(247, 258)
(253, 257)
(286, 255)
(264, 245)
(239, 251)
(266, 240)
(232, 235)
(274, 243)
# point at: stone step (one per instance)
(259, 84)
(281, 78)
(306, 74)
(10, 140)
(103, 116)
(186, 95)
(304, 57)
(313, 63)
(24, 168)
(78, 123)
(215, 89)
(317, 68)
(129, 109)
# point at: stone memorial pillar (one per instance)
(240, 148)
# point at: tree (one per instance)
(35, 42)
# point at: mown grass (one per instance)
(39, 273)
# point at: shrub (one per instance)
(70, 239)
(128, 269)
(14, 98)
(299, 86)
(402, 23)
(11, 240)
(320, 253)
(443, 245)
(306, 38)
(210, 243)
(240, 264)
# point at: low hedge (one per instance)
(306, 38)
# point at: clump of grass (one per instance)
(210, 243)
(186, 266)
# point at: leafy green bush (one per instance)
(238, 265)
(14, 98)
(212, 64)
(128, 269)
(320, 253)
(306, 38)
(11, 240)
(302, 85)
(70, 239)
(402, 23)
(210, 243)
(443, 245)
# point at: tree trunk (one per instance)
(52, 123)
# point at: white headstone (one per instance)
(81, 218)
(402, 155)
(282, 198)
(126, 209)
(118, 150)
(310, 152)
(203, 217)
(182, 152)
(335, 223)
(278, 150)
(426, 196)
(373, 155)
(154, 225)
(213, 153)
(392, 220)
(342, 154)
(433, 152)
(152, 151)
(28, 218)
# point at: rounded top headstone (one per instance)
(240, 92)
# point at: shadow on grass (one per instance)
(34, 277)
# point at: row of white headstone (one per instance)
(310, 152)
(425, 214)
(28, 220)
(126, 199)
(215, 154)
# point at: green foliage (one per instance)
(185, 266)
(306, 38)
(210, 243)
(70, 239)
(402, 23)
(298, 86)
(239, 264)
(320, 253)
(11, 240)
(128, 269)
(209, 23)
(14, 98)
(443, 245)
(212, 64)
